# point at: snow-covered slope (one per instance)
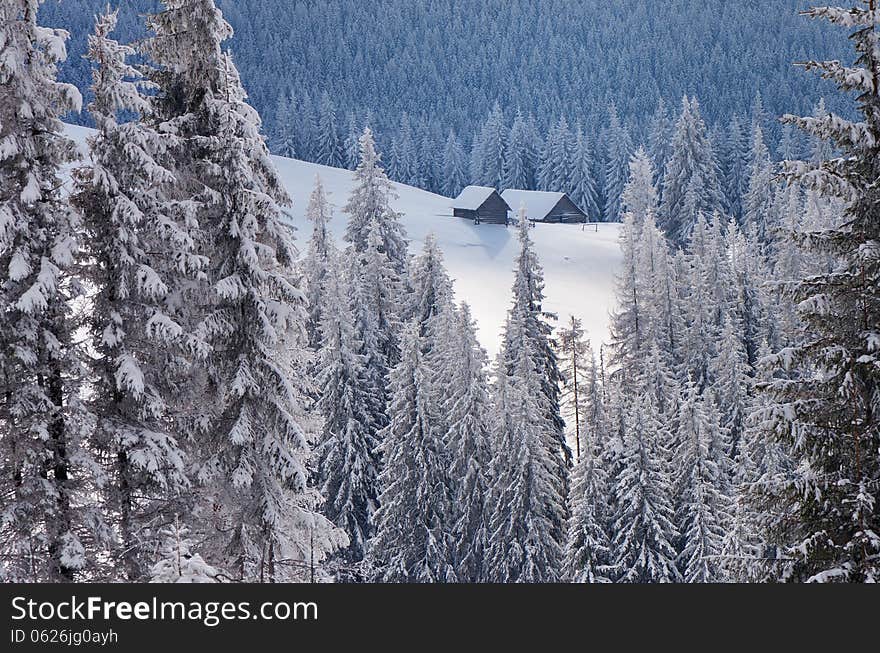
(579, 261)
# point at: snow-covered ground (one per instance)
(579, 261)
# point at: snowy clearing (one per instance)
(579, 261)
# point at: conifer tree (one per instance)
(642, 523)
(528, 298)
(639, 195)
(659, 141)
(316, 263)
(588, 550)
(467, 438)
(454, 166)
(178, 563)
(702, 512)
(527, 533)
(690, 181)
(618, 149)
(493, 142)
(348, 467)
(285, 126)
(412, 542)
(49, 471)
(255, 507)
(574, 356)
(138, 253)
(582, 185)
(824, 517)
(370, 204)
(756, 202)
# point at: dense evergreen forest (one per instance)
(185, 396)
(426, 76)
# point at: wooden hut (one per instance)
(480, 204)
(542, 206)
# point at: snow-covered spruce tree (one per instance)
(48, 519)
(756, 201)
(557, 158)
(403, 163)
(528, 298)
(137, 254)
(618, 149)
(351, 144)
(329, 147)
(691, 166)
(517, 163)
(285, 131)
(628, 320)
(412, 542)
(316, 263)
(702, 503)
(639, 195)
(587, 549)
(454, 166)
(527, 526)
(177, 562)
(574, 355)
(375, 290)
(348, 467)
(255, 510)
(370, 202)
(824, 411)
(642, 525)
(732, 383)
(493, 141)
(733, 159)
(466, 410)
(741, 545)
(583, 185)
(660, 141)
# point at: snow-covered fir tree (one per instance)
(582, 184)
(528, 299)
(177, 562)
(691, 174)
(660, 140)
(575, 357)
(703, 505)
(639, 195)
(137, 255)
(46, 520)
(733, 160)
(517, 156)
(557, 159)
(329, 148)
(618, 149)
(527, 534)
(493, 141)
(349, 464)
(285, 126)
(823, 517)
(642, 525)
(255, 508)
(412, 542)
(317, 261)
(756, 201)
(588, 550)
(466, 410)
(454, 166)
(370, 204)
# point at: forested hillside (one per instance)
(318, 71)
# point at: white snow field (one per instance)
(579, 261)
